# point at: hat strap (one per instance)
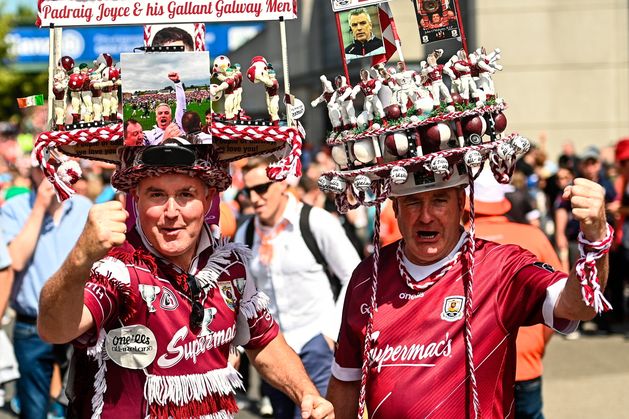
(372, 309)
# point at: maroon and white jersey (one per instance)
(417, 362)
(142, 304)
(435, 73)
(238, 80)
(368, 87)
(327, 96)
(273, 90)
(59, 91)
(463, 68)
(96, 91)
(233, 84)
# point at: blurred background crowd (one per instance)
(535, 194)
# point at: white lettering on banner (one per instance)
(407, 296)
(192, 349)
(66, 13)
(415, 352)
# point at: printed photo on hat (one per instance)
(362, 35)
(164, 95)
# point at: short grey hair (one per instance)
(356, 12)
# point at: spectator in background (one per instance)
(619, 257)
(39, 232)
(6, 275)
(566, 227)
(491, 206)
(286, 269)
(133, 134)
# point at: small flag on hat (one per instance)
(35, 100)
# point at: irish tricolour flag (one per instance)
(35, 100)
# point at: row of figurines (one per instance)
(414, 142)
(93, 90)
(393, 91)
(439, 166)
(229, 77)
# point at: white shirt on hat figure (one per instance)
(165, 127)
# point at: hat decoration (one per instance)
(84, 97)
(416, 133)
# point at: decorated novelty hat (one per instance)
(174, 157)
(84, 101)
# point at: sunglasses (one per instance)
(196, 315)
(261, 189)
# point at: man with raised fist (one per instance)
(153, 312)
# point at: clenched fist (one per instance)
(588, 207)
(105, 228)
(173, 76)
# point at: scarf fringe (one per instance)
(251, 308)
(220, 260)
(100, 382)
(194, 410)
(184, 389)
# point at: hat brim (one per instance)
(128, 179)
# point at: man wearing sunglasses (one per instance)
(285, 268)
(153, 312)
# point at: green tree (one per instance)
(14, 84)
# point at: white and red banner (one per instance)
(339, 5)
(390, 36)
(67, 13)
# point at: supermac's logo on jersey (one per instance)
(453, 308)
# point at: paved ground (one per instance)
(585, 378)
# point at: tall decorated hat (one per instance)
(422, 129)
(170, 107)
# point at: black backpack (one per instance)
(311, 243)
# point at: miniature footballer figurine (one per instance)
(75, 86)
(328, 97)
(434, 72)
(344, 99)
(97, 102)
(262, 72)
(59, 90)
(86, 94)
(229, 87)
(411, 89)
(483, 67)
(370, 88)
(463, 71)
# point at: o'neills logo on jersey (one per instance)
(409, 355)
(177, 351)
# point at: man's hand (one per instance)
(588, 207)
(105, 228)
(316, 407)
(173, 76)
(45, 195)
(171, 131)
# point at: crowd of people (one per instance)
(293, 219)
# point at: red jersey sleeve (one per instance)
(349, 353)
(255, 327)
(102, 296)
(529, 291)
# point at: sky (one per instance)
(149, 71)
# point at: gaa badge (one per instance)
(168, 301)
(208, 318)
(240, 284)
(227, 292)
(453, 308)
(149, 294)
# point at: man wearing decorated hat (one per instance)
(153, 312)
(430, 321)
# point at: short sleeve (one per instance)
(528, 297)
(102, 295)
(348, 357)
(255, 327)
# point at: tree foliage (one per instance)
(13, 83)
